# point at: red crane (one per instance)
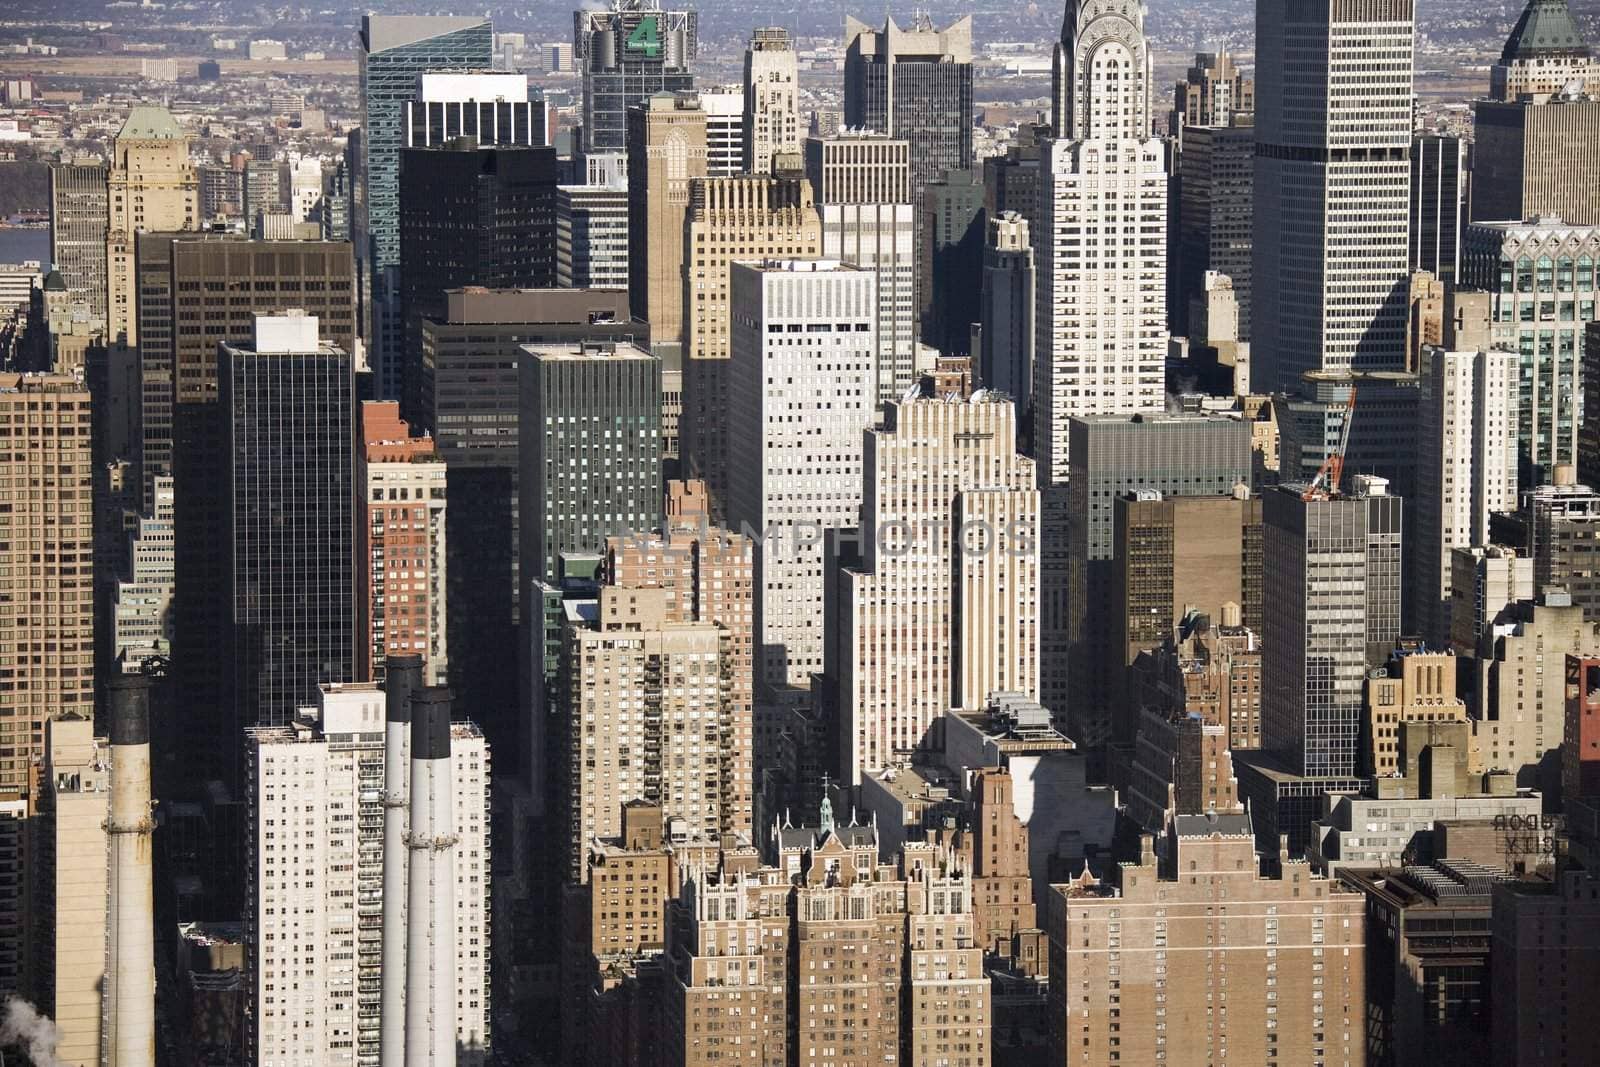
(1329, 475)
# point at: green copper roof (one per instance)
(1545, 28)
(151, 124)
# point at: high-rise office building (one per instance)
(492, 107)
(1589, 424)
(648, 713)
(1101, 321)
(590, 437)
(472, 370)
(724, 108)
(263, 191)
(950, 234)
(1333, 565)
(286, 470)
(1541, 278)
(709, 576)
(1216, 200)
(626, 53)
(941, 609)
(1288, 937)
(1181, 455)
(1006, 309)
(79, 210)
(1332, 189)
(1467, 470)
(807, 328)
(729, 219)
(395, 50)
(469, 215)
(1538, 135)
(1438, 203)
(914, 84)
(400, 598)
(1485, 581)
(151, 187)
(316, 882)
(862, 184)
(1212, 92)
(771, 108)
(666, 151)
(46, 566)
(592, 236)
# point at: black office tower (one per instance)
(1438, 188)
(469, 215)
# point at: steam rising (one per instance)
(24, 1027)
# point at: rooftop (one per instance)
(1546, 28)
(146, 123)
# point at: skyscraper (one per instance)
(590, 436)
(1333, 565)
(666, 150)
(862, 184)
(1181, 455)
(1438, 203)
(634, 684)
(400, 601)
(1102, 316)
(1538, 135)
(771, 111)
(1212, 92)
(1006, 309)
(491, 107)
(469, 215)
(46, 566)
(142, 617)
(1332, 189)
(725, 151)
(151, 187)
(729, 219)
(915, 84)
(942, 608)
(950, 235)
(79, 210)
(627, 53)
(807, 327)
(1216, 174)
(592, 236)
(1467, 469)
(1542, 285)
(395, 50)
(286, 470)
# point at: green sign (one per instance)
(646, 37)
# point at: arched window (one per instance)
(1546, 269)
(1524, 275)
(1564, 274)
(1585, 272)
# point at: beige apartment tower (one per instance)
(709, 576)
(151, 187)
(771, 111)
(666, 149)
(46, 565)
(648, 717)
(943, 608)
(748, 218)
(1184, 956)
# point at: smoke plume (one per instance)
(25, 1028)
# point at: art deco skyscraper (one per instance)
(771, 114)
(666, 150)
(151, 187)
(1333, 182)
(943, 608)
(1100, 245)
(46, 565)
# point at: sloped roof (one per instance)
(1545, 28)
(147, 123)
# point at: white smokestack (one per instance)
(431, 887)
(130, 978)
(403, 676)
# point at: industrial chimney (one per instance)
(402, 678)
(130, 978)
(430, 1037)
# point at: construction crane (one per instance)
(1326, 483)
